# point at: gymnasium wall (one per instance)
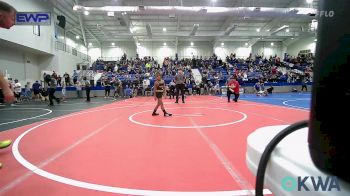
(62, 62)
(159, 51)
(117, 51)
(154, 49)
(27, 66)
(94, 53)
(302, 44)
(19, 64)
(267, 50)
(23, 35)
(241, 50)
(198, 49)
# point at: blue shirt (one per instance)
(36, 86)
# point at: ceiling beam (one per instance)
(178, 22)
(72, 28)
(279, 29)
(81, 24)
(126, 19)
(215, 41)
(92, 35)
(194, 30)
(227, 23)
(176, 43)
(149, 30)
(229, 29)
(251, 42)
(288, 42)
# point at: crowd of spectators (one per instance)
(130, 77)
(138, 73)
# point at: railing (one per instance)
(119, 58)
(66, 48)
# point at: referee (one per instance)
(180, 85)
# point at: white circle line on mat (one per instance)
(294, 106)
(104, 188)
(131, 118)
(24, 119)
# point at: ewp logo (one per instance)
(330, 183)
(33, 18)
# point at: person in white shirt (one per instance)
(78, 88)
(217, 89)
(64, 86)
(145, 85)
(17, 90)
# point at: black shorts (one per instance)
(17, 95)
(36, 92)
(159, 95)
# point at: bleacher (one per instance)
(248, 71)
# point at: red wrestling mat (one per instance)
(120, 148)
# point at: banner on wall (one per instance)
(33, 18)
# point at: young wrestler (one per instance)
(159, 91)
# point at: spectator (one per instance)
(78, 89)
(44, 94)
(128, 91)
(66, 79)
(36, 90)
(269, 90)
(59, 80)
(75, 76)
(52, 90)
(86, 84)
(17, 90)
(64, 86)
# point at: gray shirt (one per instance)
(180, 79)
